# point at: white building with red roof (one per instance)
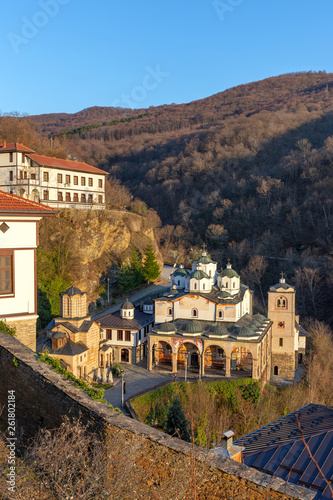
(19, 220)
(56, 182)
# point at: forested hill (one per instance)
(248, 171)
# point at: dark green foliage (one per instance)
(251, 392)
(176, 423)
(43, 309)
(150, 268)
(157, 415)
(5, 328)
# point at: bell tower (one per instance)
(281, 310)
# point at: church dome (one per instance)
(148, 302)
(229, 273)
(73, 290)
(193, 328)
(218, 330)
(204, 259)
(245, 331)
(165, 328)
(199, 275)
(127, 305)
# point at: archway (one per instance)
(188, 354)
(162, 355)
(276, 370)
(34, 195)
(241, 362)
(23, 194)
(215, 360)
(124, 356)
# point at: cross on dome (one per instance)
(282, 279)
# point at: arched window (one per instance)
(77, 308)
(210, 274)
(276, 370)
(221, 314)
(195, 286)
(68, 306)
(169, 311)
(194, 313)
(203, 286)
(178, 282)
(234, 285)
(281, 302)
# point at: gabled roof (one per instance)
(12, 204)
(115, 321)
(66, 164)
(277, 449)
(14, 146)
(70, 349)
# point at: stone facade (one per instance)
(154, 464)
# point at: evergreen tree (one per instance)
(131, 276)
(176, 423)
(150, 268)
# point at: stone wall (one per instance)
(144, 462)
(286, 365)
(25, 331)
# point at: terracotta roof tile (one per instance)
(12, 203)
(66, 164)
(14, 146)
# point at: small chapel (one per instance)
(76, 340)
(206, 321)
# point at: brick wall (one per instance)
(142, 459)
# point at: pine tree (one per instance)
(150, 268)
(176, 423)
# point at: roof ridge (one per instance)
(25, 200)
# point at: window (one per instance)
(11, 175)
(83, 181)
(281, 302)
(139, 335)
(127, 336)
(76, 198)
(90, 181)
(59, 178)
(77, 308)
(25, 175)
(33, 177)
(280, 342)
(60, 197)
(45, 195)
(21, 174)
(234, 285)
(119, 335)
(194, 313)
(100, 183)
(195, 286)
(220, 314)
(68, 197)
(276, 370)
(100, 198)
(76, 180)
(68, 179)
(45, 177)
(23, 157)
(90, 198)
(169, 311)
(281, 324)
(109, 334)
(83, 198)
(6, 272)
(11, 157)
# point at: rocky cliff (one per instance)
(82, 246)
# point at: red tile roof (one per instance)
(14, 146)
(66, 164)
(10, 203)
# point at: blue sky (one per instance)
(67, 55)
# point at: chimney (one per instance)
(228, 449)
(4, 143)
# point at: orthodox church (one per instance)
(206, 321)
